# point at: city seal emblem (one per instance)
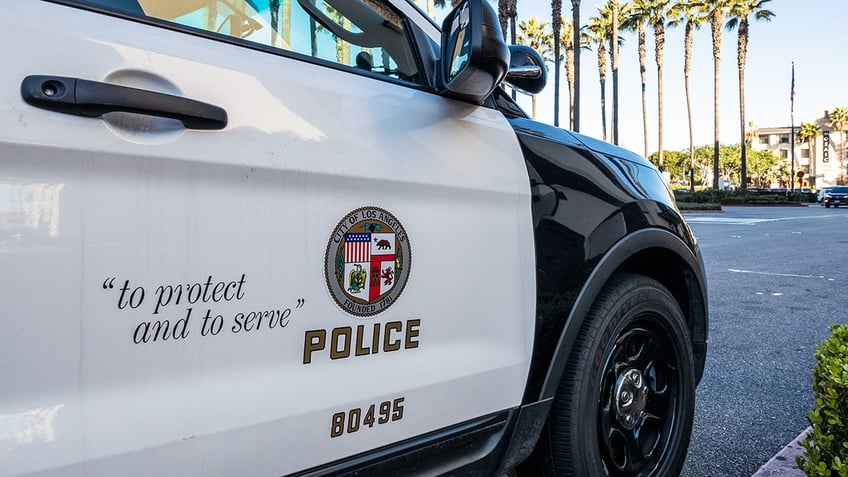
(367, 261)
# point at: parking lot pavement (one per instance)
(776, 284)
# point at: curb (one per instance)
(783, 464)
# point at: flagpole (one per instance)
(792, 127)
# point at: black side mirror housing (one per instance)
(474, 56)
(527, 71)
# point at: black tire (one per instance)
(626, 400)
(826, 206)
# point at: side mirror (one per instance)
(527, 71)
(474, 58)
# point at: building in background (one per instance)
(822, 159)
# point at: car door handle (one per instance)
(93, 99)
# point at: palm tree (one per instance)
(636, 20)
(690, 12)
(739, 13)
(506, 16)
(717, 10)
(534, 34)
(658, 9)
(274, 7)
(575, 18)
(838, 119)
(432, 4)
(808, 133)
(615, 24)
(567, 41)
(598, 28)
(751, 133)
(556, 30)
(613, 16)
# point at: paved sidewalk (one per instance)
(783, 464)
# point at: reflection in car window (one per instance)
(364, 34)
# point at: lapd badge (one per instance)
(367, 261)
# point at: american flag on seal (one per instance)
(357, 248)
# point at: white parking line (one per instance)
(699, 219)
(791, 275)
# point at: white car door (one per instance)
(335, 260)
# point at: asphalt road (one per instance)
(778, 278)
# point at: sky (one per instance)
(811, 33)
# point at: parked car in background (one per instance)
(836, 196)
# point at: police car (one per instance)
(316, 237)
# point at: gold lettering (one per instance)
(388, 344)
(361, 350)
(412, 333)
(375, 340)
(335, 353)
(314, 341)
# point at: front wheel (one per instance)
(625, 403)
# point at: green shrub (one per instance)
(706, 196)
(826, 445)
(740, 197)
(698, 206)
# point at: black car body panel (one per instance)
(589, 199)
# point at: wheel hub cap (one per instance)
(631, 395)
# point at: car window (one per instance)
(368, 35)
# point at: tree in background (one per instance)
(637, 17)
(739, 13)
(556, 31)
(599, 27)
(507, 12)
(676, 164)
(615, 25)
(763, 165)
(657, 12)
(692, 14)
(717, 11)
(575, 20)
(808, 133)
(567, 42)
(838, 119)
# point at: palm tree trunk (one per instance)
(659, 39)
(741, 53)
(569, 77)
(313, 36)
(614, 65)
(602, 73)
(533, 110)
(813, 158)
(841, 155)
(643, 70)
(274, 6)
(287, 18)
(715, 26)
(503, 17)
(556, 27)
(688, 39)
(575, 13)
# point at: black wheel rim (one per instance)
(639, 399)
